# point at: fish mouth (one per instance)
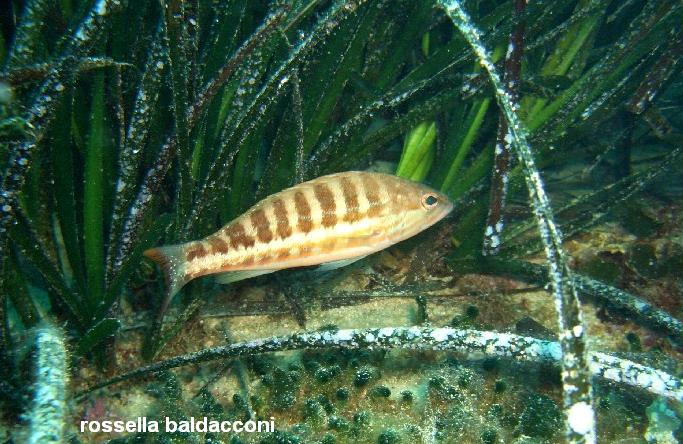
(444, 214)
(445, 209)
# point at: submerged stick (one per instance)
(578, 396)
(502, 154)
(652, 315)
(48, 407)
(635, 307)
(474, 342)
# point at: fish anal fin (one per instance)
(333, 265)
(238, 275)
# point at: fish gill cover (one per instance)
(554, 127)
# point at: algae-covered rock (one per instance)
(380, 391)
(363, 376)
(342, 393)
(389, 436)
(541, 417)
(489, 436)
(328, 439)
(313, 411)
(642, 258)
(407, 396)
(663, 423)
(603, 267)
(638, 219)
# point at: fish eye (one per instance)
(429, 201)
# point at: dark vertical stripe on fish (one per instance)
(404, 192)
(260, 222)
(282, 218)
(327, 204)
(218, 245)
(195, 251)
(372, 195)
(303, 211)
(350, 199)
(238, 237)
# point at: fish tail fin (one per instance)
(171, 261)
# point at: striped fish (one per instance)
(329, 221)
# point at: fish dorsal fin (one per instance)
(239, 275)
(333, 265)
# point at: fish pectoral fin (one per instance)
(364, 234)
(333, 265)
(234, 276)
